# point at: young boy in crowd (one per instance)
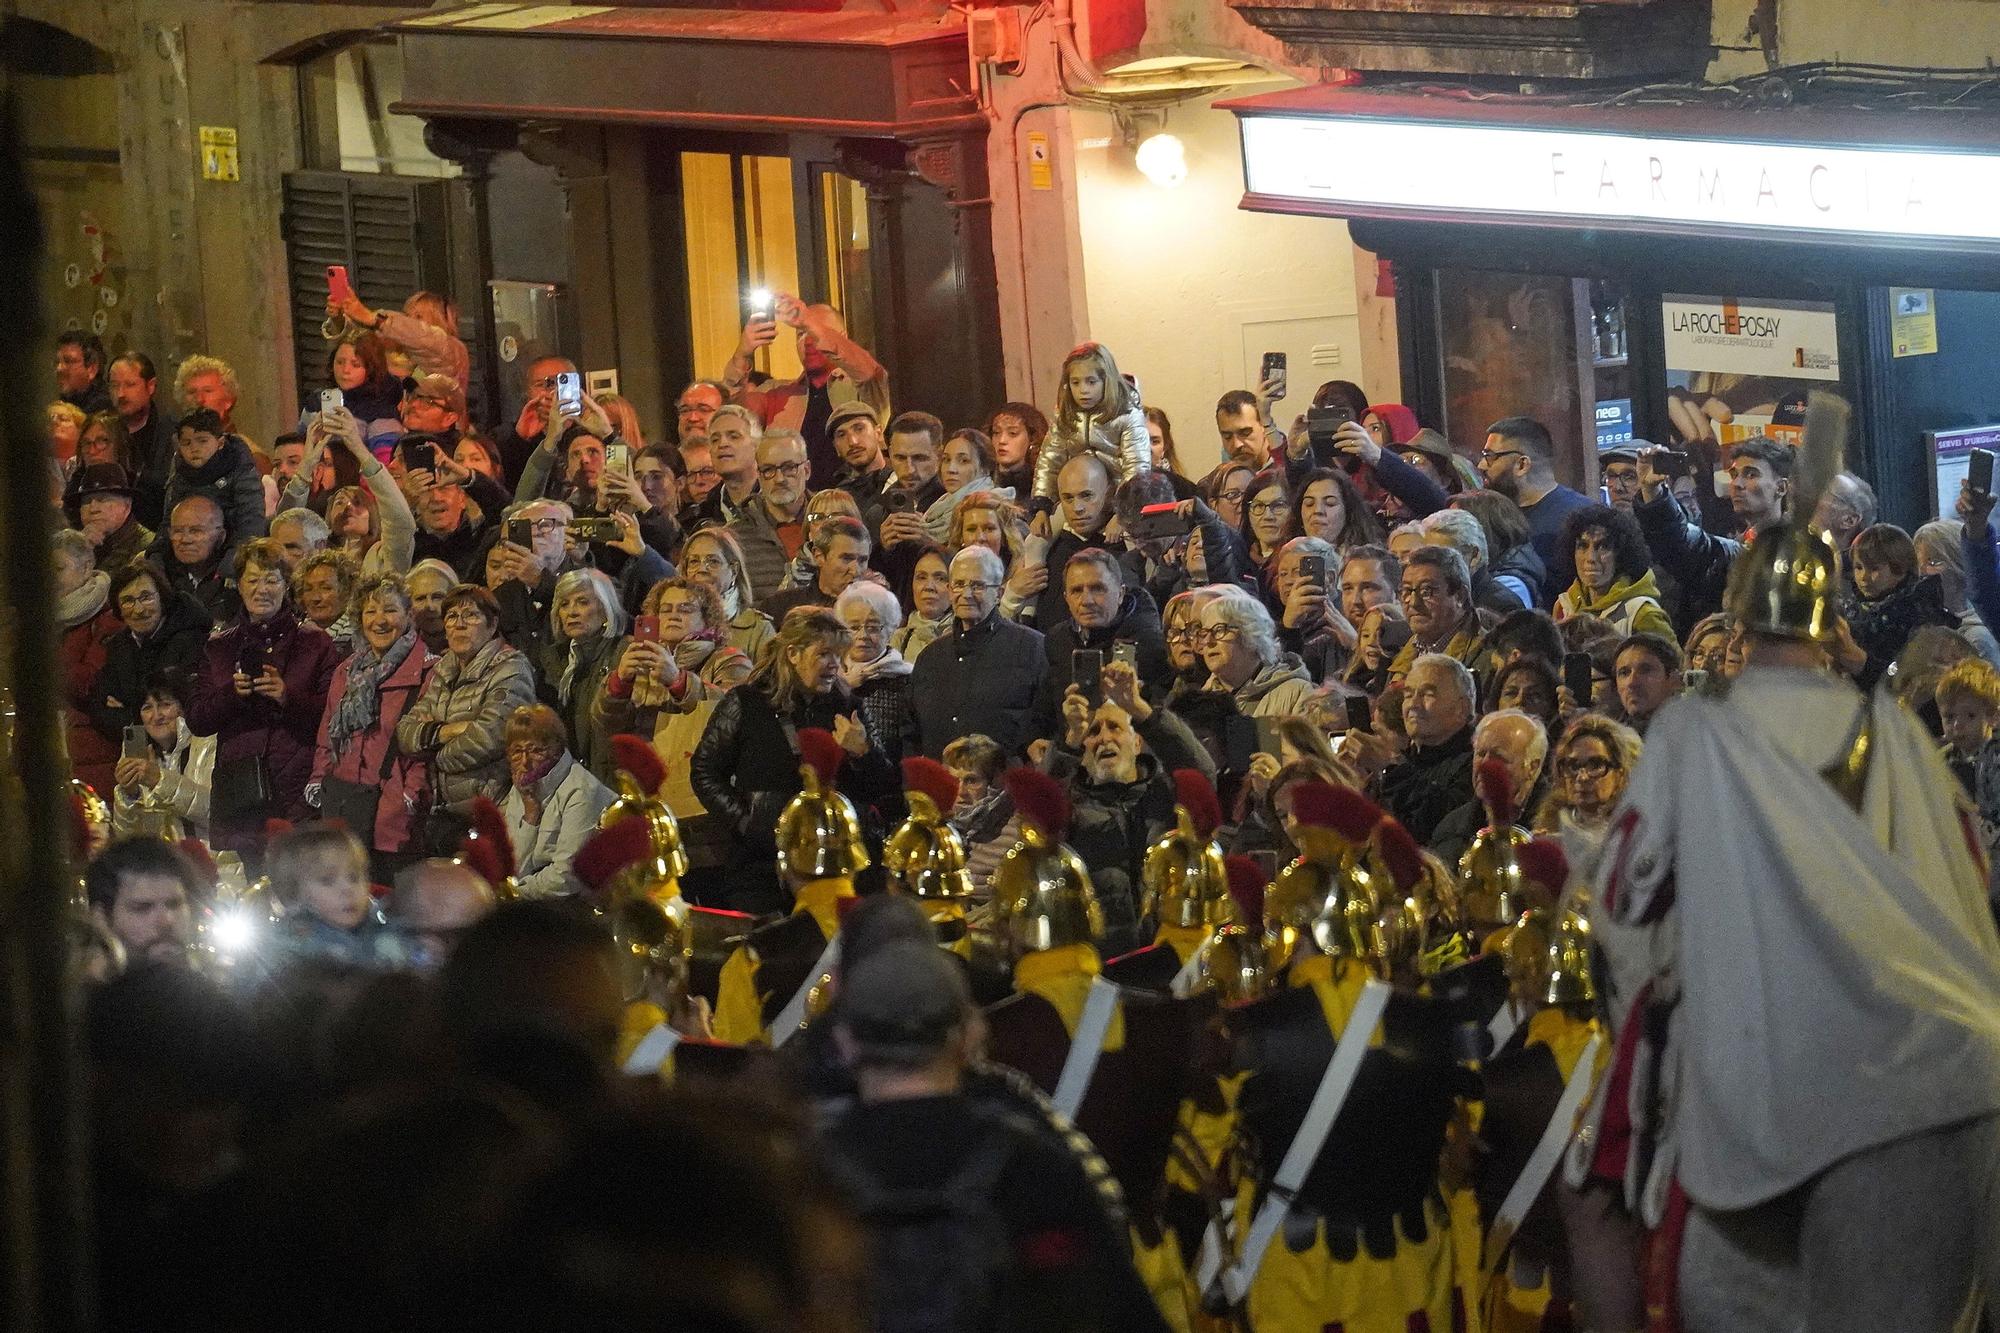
(1894, 602)
(320, 874)
(1968, 702)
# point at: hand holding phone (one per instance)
(331, 401)
(646, 629)
(569, 394)
(618, 455)
(1579, 677)
(337, 289)
(137, 743)
(521, 533)
(1087, 672)
(1360, 715)
(1979, 471)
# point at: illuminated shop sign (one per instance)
(1411, 167)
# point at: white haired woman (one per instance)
(1240, 648)
(876, 674)
(586, 637)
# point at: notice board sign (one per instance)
(1951, 455)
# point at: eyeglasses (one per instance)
(695, 472)
(867, 627)
(528, 750)
(1269, 506)
(1211, 633)
(1424, 592)
(702, 562)
(679, 608)
(772, 471)
(1233, 497)
(464, 615)
(542, 525)
(1591, 768)
(971, 585)
(1489, 455)
(691, 409)
(143, 597)
(439, 403)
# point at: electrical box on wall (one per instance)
(994, 35)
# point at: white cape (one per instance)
(1839, 973)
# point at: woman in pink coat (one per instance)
(360, 775)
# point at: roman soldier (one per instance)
(1346, 1085)
(1804, 982)
(1533, 1093)
(772, 978)
(1114, 1061)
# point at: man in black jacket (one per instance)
(80, 371)
(135, 386)
(864, 471)
(1105, 617)
(981, 678)
(1121, 803)
(1084, 485)
(192, 557)
(1760, 480)
(1435, 777)
(907, 1028)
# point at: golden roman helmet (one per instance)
(1405, 903)
(1569, 975)
(1235, 960)
(818, 833)
(1492, 890)
(1785, 581)
(1042, 895)
(640, 903)
(640, 772)
(1182, 874)
(925, 857)
(1332, 891)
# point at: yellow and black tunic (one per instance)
(768, 968)
(1530, 1290)
(1367, 1245)
(1135, 1092)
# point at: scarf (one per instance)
(937, 518)
(360, 705)
(690, 655)
(890, 664)
(83, 601)
(583, 656)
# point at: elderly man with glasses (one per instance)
(983, 677)
(771, 525)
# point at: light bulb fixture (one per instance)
(1162, 159)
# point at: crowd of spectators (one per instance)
(389, 610)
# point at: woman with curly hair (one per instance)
(1608, 572)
